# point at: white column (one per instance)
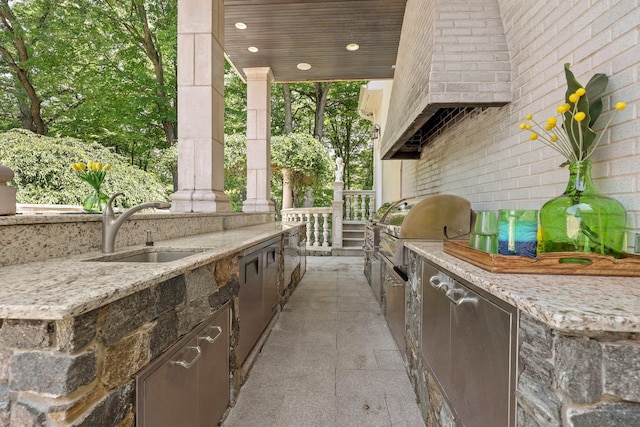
(200, 108)
(258, 140)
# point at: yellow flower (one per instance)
(580, 91)
(529, 116)
(574, 97)
(533, 136)
(78, 166)
(548, 127)
(523, 125)
(106, 167)
(552, 121)
(563, 108)
(554, 138)
(528, 126)
(621, 106)
(580, 116)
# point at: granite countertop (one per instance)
(69, 286)
(586, 304)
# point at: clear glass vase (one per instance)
(95, 202)
(581, 220)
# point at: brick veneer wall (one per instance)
(81, 371)
(487, 159)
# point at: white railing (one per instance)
(324, 225)
(359, 205)
(318, 225)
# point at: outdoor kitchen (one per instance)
(501, 256)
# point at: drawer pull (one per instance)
(438, 284)
(210, 339)
(186, 364)
(464, 299)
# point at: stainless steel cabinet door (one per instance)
(250, 302)
(436, 323)
(170, 395)
(395, 310)
(213, 370)
(480, 359)
(270, 283)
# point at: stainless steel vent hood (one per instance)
(450, 62)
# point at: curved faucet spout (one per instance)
(111, 224)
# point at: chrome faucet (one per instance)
(111, 224)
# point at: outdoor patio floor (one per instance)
(330, 359)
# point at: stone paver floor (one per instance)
(330, 359)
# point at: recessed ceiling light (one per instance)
(241, 25)
(253, 49)
(352, 47)
(303, 66)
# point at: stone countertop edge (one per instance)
(568, 303)
(59, 288)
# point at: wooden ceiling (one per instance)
(289, 32)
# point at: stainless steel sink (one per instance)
(148, 256)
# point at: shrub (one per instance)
(43, 173)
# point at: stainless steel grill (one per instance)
(428, 218)
(433, 217)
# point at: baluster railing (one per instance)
(318, 222)
(359, 205)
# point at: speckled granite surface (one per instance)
(588, 304)
(61, 287)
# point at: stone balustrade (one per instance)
(318, 221)
(359, 205)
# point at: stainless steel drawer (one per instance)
(188, 385)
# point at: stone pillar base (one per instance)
(257, 205)
(200, 201)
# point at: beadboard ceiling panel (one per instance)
(289, 32)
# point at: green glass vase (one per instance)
(95, 202)
(581, 220)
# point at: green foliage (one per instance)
(590, 104)
(43, 172)
(92, 74)
(307, 158)
(235, 168)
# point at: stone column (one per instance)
(200, 108)
(258, 140)
(287, 195)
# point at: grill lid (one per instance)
(431, 217)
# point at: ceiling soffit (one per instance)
(289, 32)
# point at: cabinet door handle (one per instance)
(186, 364)
(464, 299)
(440, 284)
(210, 339)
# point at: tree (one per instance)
(16, 60)
(308, 160)
(348, 134)
(152, 26)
